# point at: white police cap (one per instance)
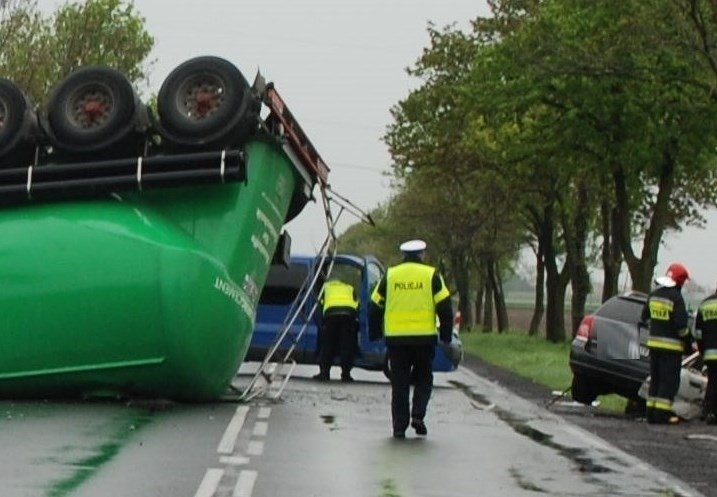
(413, 246)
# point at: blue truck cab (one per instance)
(283, 291)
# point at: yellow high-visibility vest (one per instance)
(339, 294)
(410, 303)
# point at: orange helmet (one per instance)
(676, 274)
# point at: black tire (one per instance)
(582, 390)
(205, 101)
(92, 108)
(15, 116)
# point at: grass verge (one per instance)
(531, 357)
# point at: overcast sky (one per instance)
(340, 66)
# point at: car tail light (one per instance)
(585, 330)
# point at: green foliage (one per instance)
(37, 51)
(531, 357)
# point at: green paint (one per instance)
(82, 469)
(389, 488)
(147, 294)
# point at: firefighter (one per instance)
(669, 337)
(339, 329)
(706, 335)
(403, 311)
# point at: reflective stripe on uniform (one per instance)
(664, 343)
(708, 310)
(710, 355)
(660, 308)
(661, 404)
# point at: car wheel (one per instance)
(582, 390)
(204, 101)
(91, 109)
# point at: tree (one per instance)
(37, 51)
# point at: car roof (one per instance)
(633, 295)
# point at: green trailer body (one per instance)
(149, 294)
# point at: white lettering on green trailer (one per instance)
(264, 219)
(272, 205)
(236, 294)
(259, 246)
(282, 186)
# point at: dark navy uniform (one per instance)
(339, 329)
(403, 310)
(669, 336)
(706, 334)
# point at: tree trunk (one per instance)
(501, 311)
(480, 292)
(555, 297)
(611, 255)
(642, 269)
(488, 302)
(461, 276)
(575, 233)
(539, 306)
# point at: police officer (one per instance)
(669, 335)
(706, 335)
(339, 333)
(403, 310)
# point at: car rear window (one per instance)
(621, 309)
(283, 284)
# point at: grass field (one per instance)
(533, 358)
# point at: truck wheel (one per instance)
(204, 101)
(16, 118)
(92, 108)
(582, 391)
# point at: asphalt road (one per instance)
(334, 439)
(328, 439)
(687, 451)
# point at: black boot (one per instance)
(650, 415)
(322, 375)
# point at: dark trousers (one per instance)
(665, 367)
(710, 405)
(410, 364)
(338, 337)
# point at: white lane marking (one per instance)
(255, 448)
(245, 483)
(210, 482)
(264, 413)
(234, 460)
(260, 428)
(226, 445)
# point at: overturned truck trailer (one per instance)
(134, 248)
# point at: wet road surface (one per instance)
(319, 439)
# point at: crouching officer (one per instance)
(339, 333)
(706, 335)
(403, 310)
(669, 336)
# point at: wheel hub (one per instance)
(92, 110)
